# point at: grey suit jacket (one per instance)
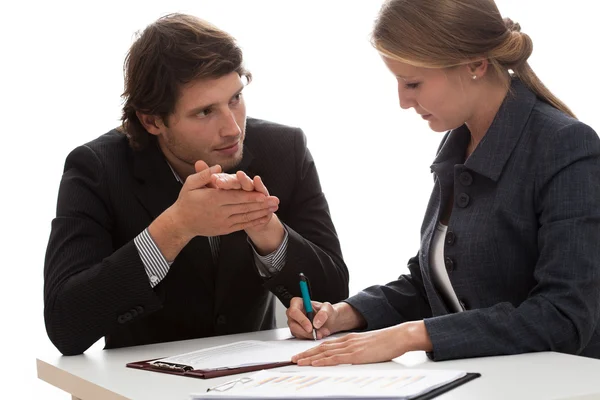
(523, 244)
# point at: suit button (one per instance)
(465, 179)
(124, 318)
(133, 312)
(449, 264)
(221, 320)
(279, 289)
(287, 295)
(463, 200)
(139, 309)
(450, 238)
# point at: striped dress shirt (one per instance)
(157, 266)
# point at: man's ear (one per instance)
(153, 124)
(477, 68)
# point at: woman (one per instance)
(509, 260)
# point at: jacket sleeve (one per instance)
(313, 246)
(90, 287)
(398, 301)
(563, 308)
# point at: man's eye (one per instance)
(204, 113)
(236, 98)
(411, 85)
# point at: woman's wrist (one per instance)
(348, 317)
(417, 337)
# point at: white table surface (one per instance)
(102, 374)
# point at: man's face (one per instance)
(208, 124)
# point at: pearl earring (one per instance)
(474, 76)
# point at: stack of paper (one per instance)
(326, 383)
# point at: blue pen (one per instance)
(305, 290)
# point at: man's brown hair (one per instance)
(174, 50)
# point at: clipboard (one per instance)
(229, 359)
(184, 370)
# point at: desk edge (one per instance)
(74, 385)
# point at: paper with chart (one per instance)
(327, 383)
(241, 354)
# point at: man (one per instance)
(150, 244)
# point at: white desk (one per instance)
(102, 374)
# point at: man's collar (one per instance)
(153, 149)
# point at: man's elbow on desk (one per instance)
(67, 344)
(64, 335)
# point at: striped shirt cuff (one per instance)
(271, 263)
(154, 262)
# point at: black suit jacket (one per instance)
(95, 282)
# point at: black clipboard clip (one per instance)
(173, 366)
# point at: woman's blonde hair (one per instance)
(449, 33)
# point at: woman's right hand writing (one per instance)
(328, 319)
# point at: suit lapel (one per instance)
(494, 150)
(157, 189)
(155, 185)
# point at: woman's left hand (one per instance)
(368, 347)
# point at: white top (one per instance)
(438, 268)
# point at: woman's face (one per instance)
(444, 97)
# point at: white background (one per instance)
(61, 72)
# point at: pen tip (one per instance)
(314, 335)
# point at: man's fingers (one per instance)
(226, 181)
(232, 197)
(200, 166)
(249, 216)
(202, 178)
(245, 181)
(246, 225)
(259, 186)
(238, 181)
(245, 208)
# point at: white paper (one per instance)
(327, 383)
(241, 354)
